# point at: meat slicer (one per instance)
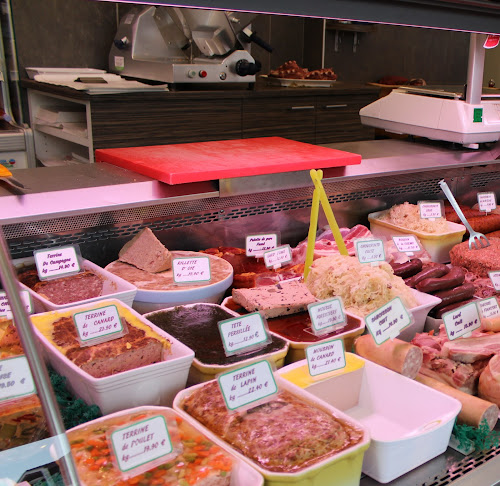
(183, 45)
(451, 115)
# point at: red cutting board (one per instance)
(204, 161)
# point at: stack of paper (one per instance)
(105, 83)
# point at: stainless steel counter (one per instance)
(90, 188)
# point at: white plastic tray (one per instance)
(409, 423)
(242, 474)
(155, 384)
(114, 287)
(425, 303)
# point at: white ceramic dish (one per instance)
(438, 246)
(296, 349)
(151, 300)
(114, 287)
(201, 372)
(425, 303)
(342, 469)
(242, 474)
(155, 384)
(409, 423)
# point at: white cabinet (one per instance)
(62, 129)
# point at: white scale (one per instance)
(440, 114)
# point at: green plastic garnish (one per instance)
(481, 437)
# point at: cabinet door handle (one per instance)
(335, 106)
(302, 107)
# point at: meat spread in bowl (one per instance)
(200, 462)
(284, 435)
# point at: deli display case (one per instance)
(99, 207)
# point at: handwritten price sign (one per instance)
(388, 321)
(256, 245)
(56, 262)
(325, 357)
(15, 378)
(98, 325)
(430, 209)
(5, 310)
(189, 270)
(461, 321)
(141, 443)
(247, 385)
(240, 334)
(327, 316)
(369, 251)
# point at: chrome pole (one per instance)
(37, 365)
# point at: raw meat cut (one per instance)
(463, 376)
(472, 349)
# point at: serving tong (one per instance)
(475, 238)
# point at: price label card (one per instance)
(325, 357)
(487, 201)
(489, 307)
(461, 321)
(189, 270)
(495, 279)
(240, 334)
(388, 321)
(243, 387)
(406, 244)
(141, 443)
(256, 245)
(431, 209)
(326, 316)
(56, 262)
(278, 256)
(5, 310)
(98, 325)
(369, 251)
(15, 378)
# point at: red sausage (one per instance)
(439, 313)
(457, 294)
(432, 271)
(454, 278)
(407, 269)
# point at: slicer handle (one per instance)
(261, 42)
(249, 36)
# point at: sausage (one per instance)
(438, 314)
(491, 324)
(474, 409)
(457, 294)
(432, 271)
(486, 223)
(454, 278)
(397, 355)
(407, 269)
